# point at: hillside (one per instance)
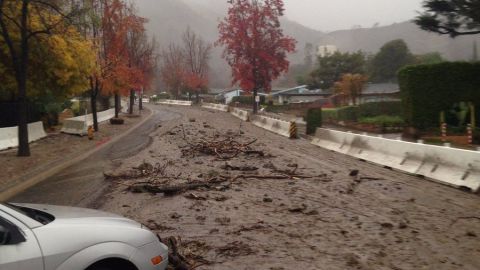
(168, 19)
(371, 39)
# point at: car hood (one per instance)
(67, 214)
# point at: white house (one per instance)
(324, 50)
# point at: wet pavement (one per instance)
(83, 184)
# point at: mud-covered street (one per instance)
(268, 202)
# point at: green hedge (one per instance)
(314, 120)
(383, 120)
(340, 114)
(372, 109)
(277, 108)
(427, 90)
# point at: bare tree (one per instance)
(172, 69)
(197, 54)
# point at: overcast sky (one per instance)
(329, 15)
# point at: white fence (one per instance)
(79, 125)
(455, 167)
(9, 136)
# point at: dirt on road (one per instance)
(234, 196)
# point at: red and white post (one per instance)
(444, 132)
(470, 134)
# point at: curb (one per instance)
(40, 177)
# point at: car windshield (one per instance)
(35, 214)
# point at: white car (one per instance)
(44, 237)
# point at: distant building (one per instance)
(324, 50)
(299, 94)
(376, 92)
(227, 96)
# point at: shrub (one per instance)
(371, 109)
(340, 114)
(427, 90)
(314, 120)
(277, 108)
(383, 120)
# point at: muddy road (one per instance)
(329, 212)
(83, 184)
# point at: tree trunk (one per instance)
(255, 107)
(117, 104)
(23, 146)
(197, 97)
(132, 101)
(140, 103)
(93, 104)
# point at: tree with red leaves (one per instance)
(119, 75)
(255, 45)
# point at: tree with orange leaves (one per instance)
(255, 46)
(119, 20)
(351, 86)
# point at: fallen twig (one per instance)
(460, 218)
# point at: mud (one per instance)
(347, 214)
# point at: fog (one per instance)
(330, 15)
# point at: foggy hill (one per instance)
(168, 19)
(371, 39)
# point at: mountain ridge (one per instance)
(168, 19)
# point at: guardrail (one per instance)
(175, 102)
(455, 167)
(284, 128)
(79, 125)
(213, 106)
(242, 114)
(9, 136)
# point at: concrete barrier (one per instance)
(9, 136)
(278, 126)
(213, 106)
(175, 102)
(242, 114)
(301, 125)
(455, 167)
(79, 125)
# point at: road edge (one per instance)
(24, 185)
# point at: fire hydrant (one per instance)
(90, 132)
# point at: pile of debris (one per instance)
(225, 149)
(185, 255)
(156, 180)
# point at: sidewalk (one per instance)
(57, 148)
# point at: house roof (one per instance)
(297, 89)
(381, 88)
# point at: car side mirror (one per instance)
(11, 235)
